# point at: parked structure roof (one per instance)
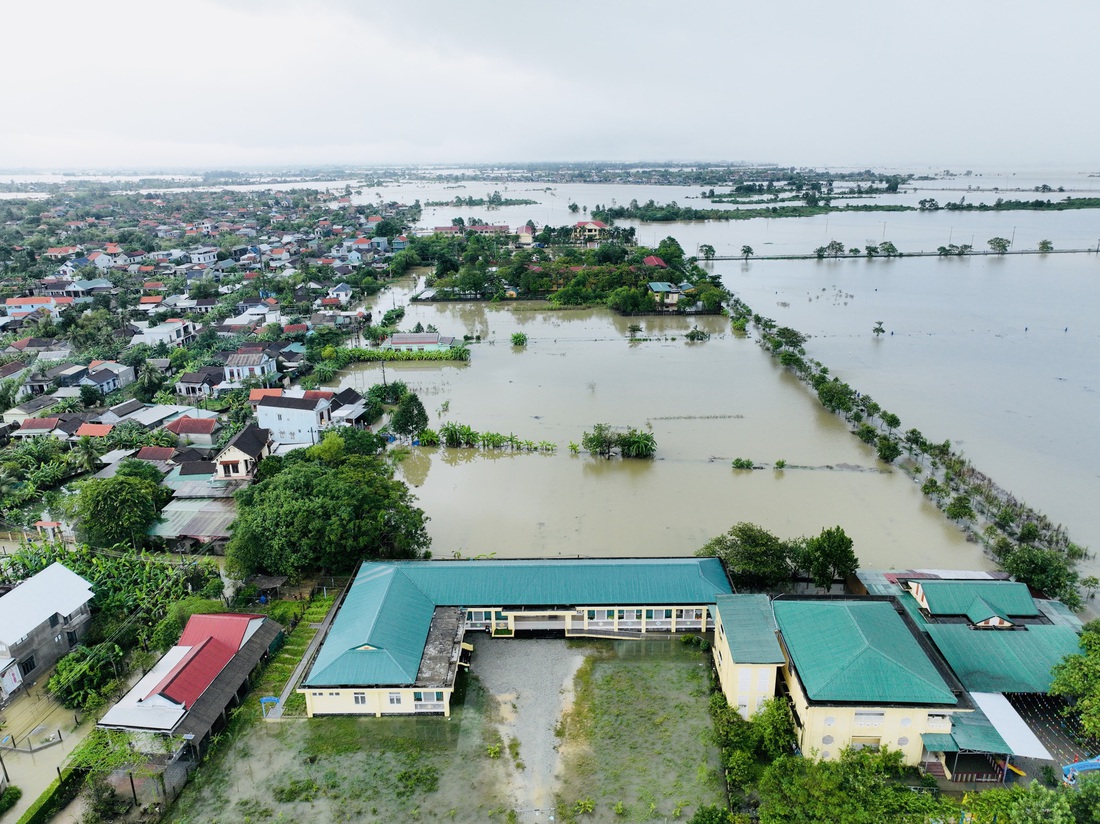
(750, 629)
(379, 633)
(1008, 660)
(858, 652)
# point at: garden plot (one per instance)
(637, 743)
(344, 769)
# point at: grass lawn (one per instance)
(637, 743)
(344, 769)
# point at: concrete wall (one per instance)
(376, 701)
(824, 730)
(746, 686)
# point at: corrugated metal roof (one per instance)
(750, 629)
(974, 732)
(1004, 660)
(378, 636)
(54, 590)
(858, 651)
(196, 518)
(957, 597)
(939, 742)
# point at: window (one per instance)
(55, 619)
(869, 719)
(395, 699)
(360, 698)
(27, 666)
(439, 696)
(70, 636)
(334, 695)
(418, 696)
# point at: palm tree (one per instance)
(71, 404)
(85, 454)
(148, 380)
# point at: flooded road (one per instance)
(707, 403)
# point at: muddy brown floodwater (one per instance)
(707, 403)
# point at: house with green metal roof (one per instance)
(859, 673)
(1016, 660)
(746, 651)
(987, 603)
(398, 638)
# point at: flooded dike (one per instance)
(707, 403)
(996, 354)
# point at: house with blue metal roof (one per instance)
(398, 638)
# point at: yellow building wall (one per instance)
(746, 686)
(376, 702)
(826, 730)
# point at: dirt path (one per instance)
(532, 680)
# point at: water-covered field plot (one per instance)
(343, 769)
(636, 744)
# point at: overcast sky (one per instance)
(217, 83)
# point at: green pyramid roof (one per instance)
(858, 652)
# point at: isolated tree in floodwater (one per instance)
(747, 252)
(999, 244)
(878, 330)
(707, 251)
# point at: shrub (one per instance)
(519, 339)
(9, 797)
(743, 463)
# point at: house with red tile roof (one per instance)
(198, 431)
(94, 430)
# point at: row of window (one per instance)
(477, 616)
(360, 698)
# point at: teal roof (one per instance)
(981, 610)
(858, 652)
(958, 597)
(939, 742)
(378, 635)
(973, 731)
(750, 629)
(1007, 660)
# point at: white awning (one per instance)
(1010, 726)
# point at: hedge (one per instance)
(57, 795)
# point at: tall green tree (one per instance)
(756, 559)
(829, 556)
(116, 510)
(1078, 678)
(313, 515)
(410, 416)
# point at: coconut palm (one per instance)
(71, 404)
(85, 454)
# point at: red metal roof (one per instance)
(653, 260)
(214, 640)
(155, 453)
(39, 423)
(228, 628)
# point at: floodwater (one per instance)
(707, 403)
(997, 354)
